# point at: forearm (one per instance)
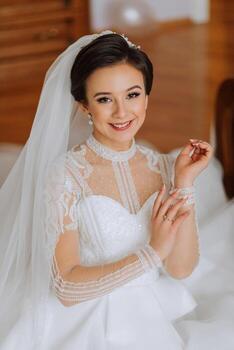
(92, 282)
(185, 254)
(91, 273)
(83, 283)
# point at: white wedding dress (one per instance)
(153, 310)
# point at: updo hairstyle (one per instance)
(107, 50)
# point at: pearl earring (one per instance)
(90, 119)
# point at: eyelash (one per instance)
(132, 93)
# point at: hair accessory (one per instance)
(129, 42)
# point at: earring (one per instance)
(90, 119)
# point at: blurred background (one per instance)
(190, 43)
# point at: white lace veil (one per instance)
(24, 265)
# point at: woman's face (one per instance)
(116, 96)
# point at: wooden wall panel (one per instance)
(32, 34)
(222, 10)
(190, 63)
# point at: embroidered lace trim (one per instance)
(108, 153)
(152, 158)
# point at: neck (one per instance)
(114, 145)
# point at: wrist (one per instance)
(149, 257)
(188, 191)
(154, 253)
(180, 183)
(157, 251)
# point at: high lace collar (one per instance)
(108, 153)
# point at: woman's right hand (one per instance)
(163, 234)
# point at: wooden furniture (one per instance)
(224, 126)
(221, 10)
(32, 34)
(222, 17)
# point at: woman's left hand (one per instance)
(187, 167)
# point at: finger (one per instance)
(203, 152)
(197, 140)
(172, 211)
(203, 149)
(187, 149)
(179, 219)
(166, 204)
(203, 145)
(158, 201)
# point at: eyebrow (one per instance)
(108, 93)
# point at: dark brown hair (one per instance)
(106, 50)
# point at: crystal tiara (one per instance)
(128, 41)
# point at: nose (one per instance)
(120, 110)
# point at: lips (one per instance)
(121, 126)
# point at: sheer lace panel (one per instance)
(124, 181)
(167, 167)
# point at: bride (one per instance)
(100, 245)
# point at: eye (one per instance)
(130, 96)
(133, 94)
(102, 99)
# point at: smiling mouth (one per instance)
(121, 126)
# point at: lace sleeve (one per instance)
(61, 198)
(72, 282)
(79, 287)
(167, 166)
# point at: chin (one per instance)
(125, 136)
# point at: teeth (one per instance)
(119, 125)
